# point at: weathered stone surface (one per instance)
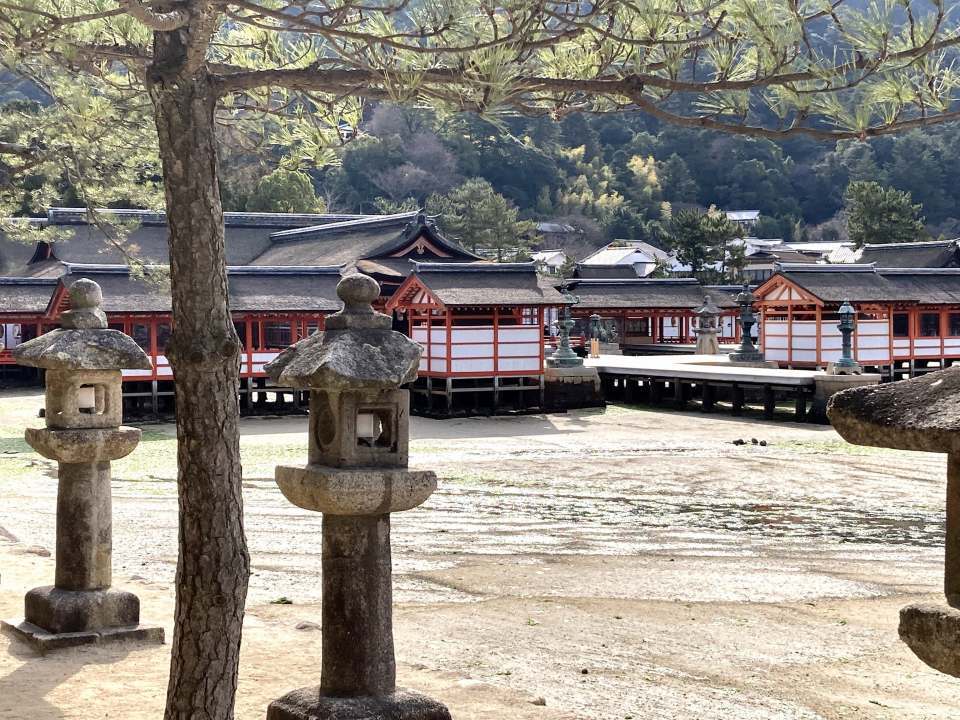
(826, 386)
(358, 350)
(355, 491)
(933, 633)
(358, 655)
(334, 417)
(83, 446)
(357, 476)
(64, 611)
(309, 704)
(358, 359)
(71, 349)
(84, 527)
(43, 642)
(77, 399)
(358, 293)
(922, 413)
(570, 388)
(84, 313)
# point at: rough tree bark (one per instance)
(213, 565)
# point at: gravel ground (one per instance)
(618, 564)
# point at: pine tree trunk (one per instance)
(213, 566)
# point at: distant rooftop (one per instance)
(742, 215)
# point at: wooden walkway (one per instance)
(706, 380)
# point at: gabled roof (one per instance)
(626, 252)
(19, 295)
(247, 235)
(933, 254)
(647, 294)
(261, 289)
(867, 283)
(475, 284)
(376, 240)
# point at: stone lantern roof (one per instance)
(83, 341)
(358, 350)
(920, 414)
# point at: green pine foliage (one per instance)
(876, 214)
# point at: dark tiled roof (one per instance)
(265, 289)
(787, 255)
(859, 283)
(621, 272)
(647, 294)
(25, 295)
(270, 221)
(937, 254)
(14, 256)
(370, 239)
(332, 249)
(478, 284)
(247, 235)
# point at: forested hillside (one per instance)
(619, 176)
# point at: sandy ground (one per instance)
(625, 564)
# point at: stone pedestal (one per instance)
(83, 434)
(572, 388)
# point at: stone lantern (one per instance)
(747, 352)
(706, 330)
(356, 476)
(83, 434)
(846, 365)
(919, 414)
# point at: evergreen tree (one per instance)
(482, 219)
(285, 191)
(881, 215)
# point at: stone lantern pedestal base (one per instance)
(57, 618)
(309, 704)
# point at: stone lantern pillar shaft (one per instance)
(84, 527)
(951, 560)
(358, 654)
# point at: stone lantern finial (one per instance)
(83, 361)
(84, 313)
(356, 476)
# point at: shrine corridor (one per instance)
(618, 564)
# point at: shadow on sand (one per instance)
(23, 691)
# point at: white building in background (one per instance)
(622, 254)
(744, 218)
(549, 261)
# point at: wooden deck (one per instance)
(705, 380)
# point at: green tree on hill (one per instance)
(285, 191)
(881, 215)
(482, 219)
